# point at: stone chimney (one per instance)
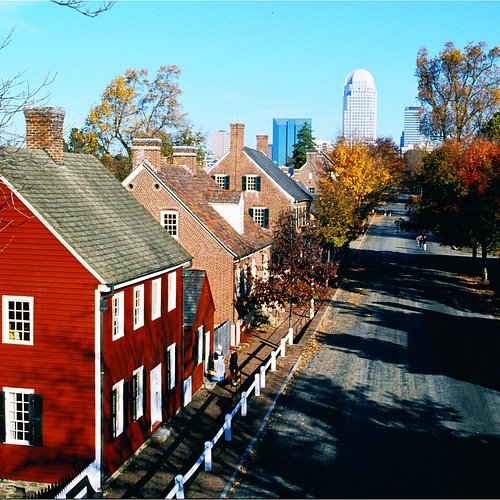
(237, 139)
(44, 130)
(146, 149)
(262, 143)
(186, 156)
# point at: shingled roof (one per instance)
(89, 210)
(275, 173)
(197, 192)
(192, 280)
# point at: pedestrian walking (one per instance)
(233, 367)
(220, 368)
(419, 241)
(424, 242)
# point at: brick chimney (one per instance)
(237, 140)
(44, 130)
(187, 156)
(262, 143)
(146, 149)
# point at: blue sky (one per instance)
(242, 61)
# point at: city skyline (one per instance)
(233, 68)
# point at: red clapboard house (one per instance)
(91, 347)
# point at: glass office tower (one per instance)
(285, 132)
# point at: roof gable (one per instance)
(277, 175)
(92, 214)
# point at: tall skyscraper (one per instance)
(285, 132)
(360, 107)
(220, 143)
(411, 136)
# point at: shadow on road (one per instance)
(371, 450)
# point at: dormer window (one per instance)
(250, 183)
(222, 180)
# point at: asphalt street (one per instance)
(401, 397)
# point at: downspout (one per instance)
(102, 309)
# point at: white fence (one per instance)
(259, 383)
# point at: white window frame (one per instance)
(156, 298)
(156, 398)
(9, 392)
(220, 179)
(172, 227)
(171, 353)
(6, 321)
(120, 409)
(172, 291)
(258, 216)
(138, 306)
(118, 315)
(139, 397)
(251, 182)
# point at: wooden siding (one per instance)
(147, 347)
(204, 317)
(60, 363)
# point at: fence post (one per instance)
(244, 397)
(283, 340)
(311, 310)
(257, 384)
(208, 456)
(179, 480)
(227, 434)
(273, 361)
(262, 376)
(290, 336)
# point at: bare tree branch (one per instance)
(84, 6)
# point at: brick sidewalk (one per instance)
(180, 441)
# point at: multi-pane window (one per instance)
(222, 180)
(250, 183)
(138, 306)
(300, 214)
(118, 316)
(172, 291)
(311, 189)
(17, 320)
(117, 409)
(156, 299)
(21, 412)
(171, 355)
(260, 215)
(170, 221)
(137, 393)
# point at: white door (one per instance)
(155, 385)
(188, 390)
(206, 351)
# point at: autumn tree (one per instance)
(413, 161)
(89, 9)
(459, 91)
(356, 184)
(297, 272)
(461, 195)
(305, 142)
(491, 129)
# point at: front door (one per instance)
(156, 413)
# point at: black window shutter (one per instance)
(113, 413)
(265, 221)
(213, 177)
(126, 402)
(250, 212)
(35, 415)
(226, 183)
(167, 364)
(196, 349)
(244, 183)
(257, 183)
(2, 416)
(144, 393)
(133, 397)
